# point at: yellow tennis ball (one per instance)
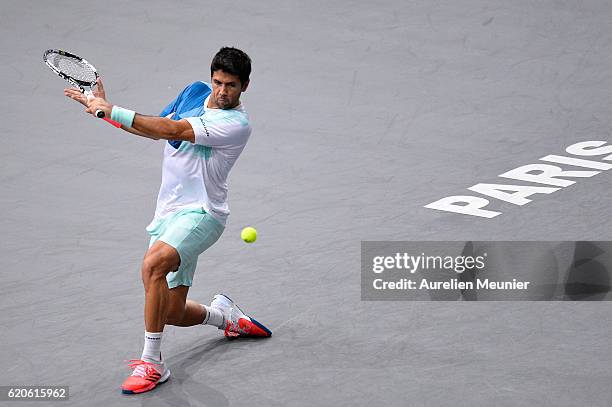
(248, 234)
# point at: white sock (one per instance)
(213, 317)
(152, 347)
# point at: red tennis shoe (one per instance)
(146, 376)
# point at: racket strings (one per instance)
(74, 68)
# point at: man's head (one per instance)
(229, 71)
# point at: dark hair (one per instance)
(233, 61)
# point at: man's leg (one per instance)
(159, 260)
(184, 312)
(170, 306)
(150, 370)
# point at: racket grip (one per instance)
(114, 123)
(100, 114)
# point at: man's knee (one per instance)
(159, 260)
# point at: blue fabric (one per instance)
(189, 103)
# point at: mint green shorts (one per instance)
(190, 232)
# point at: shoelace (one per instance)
(142, 368)
(234, 329)
(229, 332)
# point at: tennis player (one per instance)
(206, 128)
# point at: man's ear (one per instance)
(245, 86)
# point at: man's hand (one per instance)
(76, 94)
(95, 104)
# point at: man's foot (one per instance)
(145, 377)
(237, 324)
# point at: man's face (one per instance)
(226, 90)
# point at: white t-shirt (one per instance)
(194, 175)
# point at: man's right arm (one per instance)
(77, 95)
(139, 133)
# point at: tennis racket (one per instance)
(80, 73)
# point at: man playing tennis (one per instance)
(206, 128)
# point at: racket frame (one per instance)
(77, 83)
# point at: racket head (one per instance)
(71, 67)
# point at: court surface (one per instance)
(363, 112)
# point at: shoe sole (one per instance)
(262, 327)
(162, 380)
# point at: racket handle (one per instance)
(99, 113)
(114, 123)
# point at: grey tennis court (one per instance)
(363, 113)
